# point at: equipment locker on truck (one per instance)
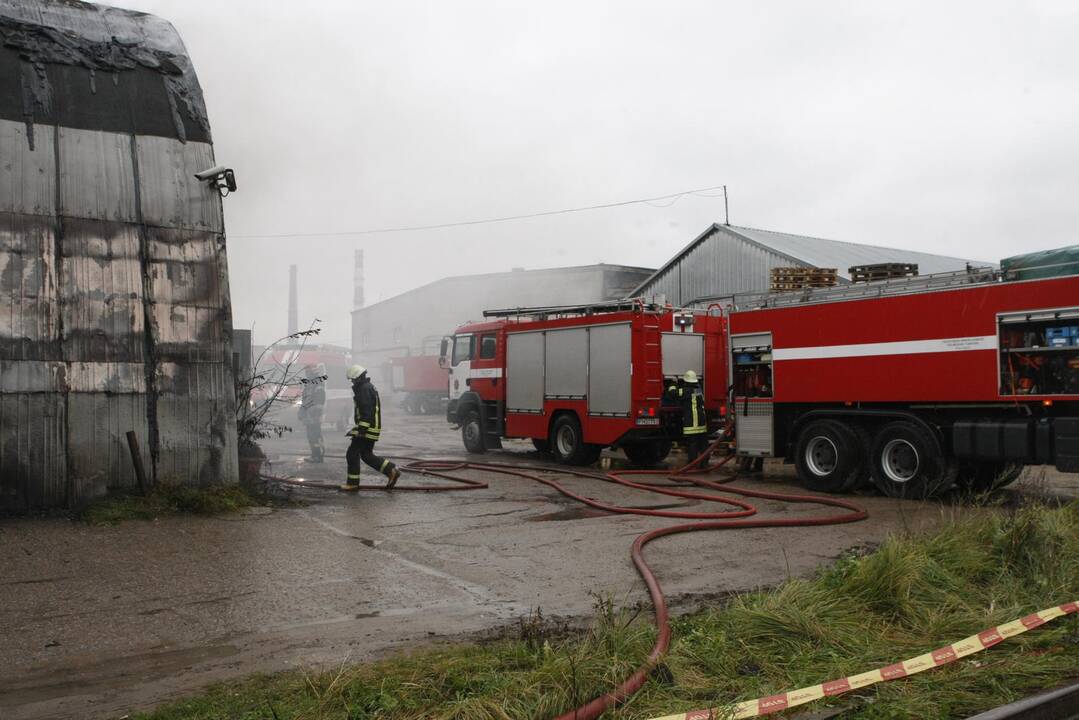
(917, 383)
(577, 379)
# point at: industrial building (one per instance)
(725, 260)
(113, 277)
(415, 321)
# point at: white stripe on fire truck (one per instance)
(485, 373)
(903, 347)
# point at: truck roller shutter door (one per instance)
(609, 364)
(567, 363)
(524, 372)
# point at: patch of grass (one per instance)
(169, 499)
(914, 594)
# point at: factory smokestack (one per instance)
(293, 307)
(357, 282)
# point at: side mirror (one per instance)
(442, 352)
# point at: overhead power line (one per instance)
(673, 197)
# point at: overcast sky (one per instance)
(948, 127)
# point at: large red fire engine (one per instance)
(577, 379)
(915, 383)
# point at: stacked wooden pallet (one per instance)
(785, 279)
(882, 271)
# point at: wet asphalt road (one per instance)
(99, 621)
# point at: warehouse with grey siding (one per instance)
(413, 322)
(114, 297)
(725, 260)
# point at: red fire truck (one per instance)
(423, 380)
(577, 379)
(916, 383)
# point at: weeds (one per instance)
(168, 499)
(911, 595)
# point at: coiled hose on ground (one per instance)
(683, 480)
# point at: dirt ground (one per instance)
(100, 621)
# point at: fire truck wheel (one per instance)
(647, 453)
(907, 462)
(472, 433)
(829, 457)
(985, 476)
(568, 445)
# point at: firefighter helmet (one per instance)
(354, 371)
(690, 377)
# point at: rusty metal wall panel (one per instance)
(196, 421)
(97, 454)
(27, 177)
(187, 268)
(32, 444)
(97, 176)
(32, 376)
(171, 196)
(115, 378)
(87, 253)
(29, 309)
(101, 292)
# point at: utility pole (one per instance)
(726, 209)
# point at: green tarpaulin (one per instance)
(1044, 264)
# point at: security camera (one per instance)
(212, 173)
(219, 178)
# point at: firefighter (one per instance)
(366, 431)
(313, 407)
(686, 392)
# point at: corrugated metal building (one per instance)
(114, 299)
(725, 260)
(414, 321)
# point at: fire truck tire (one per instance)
(829, 457)
(647, 453)
(567, 442)
(986, 476)
(472, 433)
(412, 404)
(907, 462)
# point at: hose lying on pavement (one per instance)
(683, 478)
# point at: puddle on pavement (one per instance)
(582, 512)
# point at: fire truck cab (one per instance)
(577, 379)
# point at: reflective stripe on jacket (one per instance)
(368, 409)
(694, 418)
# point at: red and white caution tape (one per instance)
(943, 656)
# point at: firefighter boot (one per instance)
(393, 474)
(353, 484)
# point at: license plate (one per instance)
(647, 421)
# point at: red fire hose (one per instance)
(726, 520)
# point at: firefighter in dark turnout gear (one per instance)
(686, 393)
(313, 407)
(366, 431)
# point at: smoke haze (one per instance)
(941, 127)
